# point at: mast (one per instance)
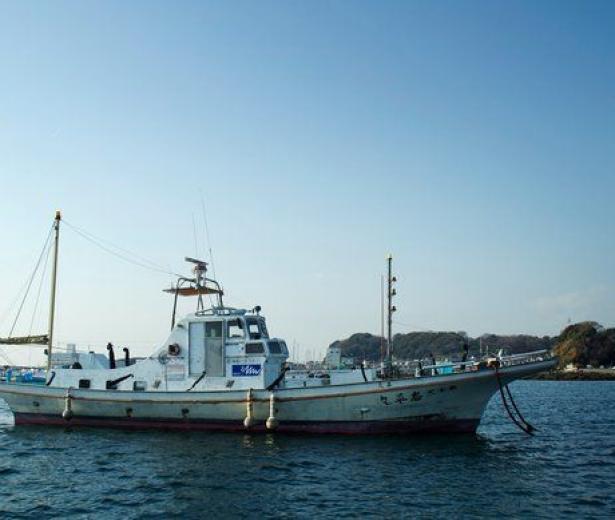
(54, 273)
(382, 352)
(390, 310)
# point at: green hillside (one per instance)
(582, 344)
(586, 343)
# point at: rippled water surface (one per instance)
(567, 469)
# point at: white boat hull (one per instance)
(446, 403)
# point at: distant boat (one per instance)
(220, 369)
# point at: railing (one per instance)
(473, 365)
(525, 357)
(443, 369)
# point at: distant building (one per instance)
(335, 360)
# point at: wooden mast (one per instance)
(54, 274)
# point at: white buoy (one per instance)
(248, 422)
(272, 422)
(67, 413)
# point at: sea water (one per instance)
(566, 470)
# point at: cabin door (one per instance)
(214, 349)
(196, 359)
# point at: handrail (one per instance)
(452, 364)
(473, 364)
(525, 354)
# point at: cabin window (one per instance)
(84, 383)
(263, 328)
(213, 329)
(275, 347)
(284, 347)
(253, 328)
(255, 348)
(235, 329)
(256, 328)
(139, 386)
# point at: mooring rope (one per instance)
(523, 425)
(512, 401)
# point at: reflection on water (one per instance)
(566, 469)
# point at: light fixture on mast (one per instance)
(390, 310)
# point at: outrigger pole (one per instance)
(54, 274)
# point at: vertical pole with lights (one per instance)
(390, 310)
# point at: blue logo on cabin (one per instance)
(246, 370)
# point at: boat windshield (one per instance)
(256, 328)
(235, 329)
(275, 347)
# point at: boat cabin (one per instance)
(214, 349)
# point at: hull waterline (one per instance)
(423, 424)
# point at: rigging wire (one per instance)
(38, 263)
(40, 287)
(9, 308)
(4, 356)
(138, 260)
(414, 328)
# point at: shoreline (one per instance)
(579, 375)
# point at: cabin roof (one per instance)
(225, 312)
(193, 291)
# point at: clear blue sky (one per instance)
(473, 140)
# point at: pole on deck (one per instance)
(390, 310)
(54, 275)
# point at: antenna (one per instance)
(196, 241)
(211, 254)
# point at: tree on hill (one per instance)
(513, 344)
(586, 343)
(414, 345)
(361, 346)
(420, 345)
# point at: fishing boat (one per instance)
(220, 369)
